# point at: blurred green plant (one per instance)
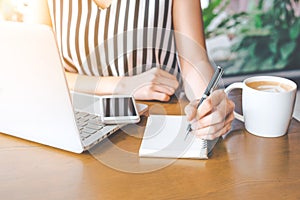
(266, 38)
(211, 12)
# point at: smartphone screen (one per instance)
(119, 109)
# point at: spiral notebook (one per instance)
(164, 137)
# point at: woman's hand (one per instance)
(155, 84)
(214, 116)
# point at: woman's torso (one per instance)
(127, 38)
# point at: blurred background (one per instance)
(254, 37)
(13, 10)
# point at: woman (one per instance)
(135, 46)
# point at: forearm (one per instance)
(96, 85)
(190, 42)
(155, 84)
(187, 18)
(196, 79)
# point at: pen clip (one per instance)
(214, 81)
(219, 75)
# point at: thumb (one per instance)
(191, 110)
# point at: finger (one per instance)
(218, 134)
(152, 87)
(223, 113)
(216, 115)
(217, 101)
(209, 104)
(165, 78)
(162, 89)
(159, 96)
(207, 121)
(204, 109)
(165, 74)
(217, 96)
(151, 96)
(203, 132)
(167, 82)
(212, 101)
(210, 133)
(231, 107)
(229, 118)
(208, 130)
(191, 110)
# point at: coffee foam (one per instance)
(271, 88)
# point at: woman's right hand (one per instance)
(155, 84)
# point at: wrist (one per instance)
(110, 85)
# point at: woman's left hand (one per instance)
(214, 116)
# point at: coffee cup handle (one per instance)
(227, 91)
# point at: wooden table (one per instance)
(242, 166)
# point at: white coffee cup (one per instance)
(267, 104)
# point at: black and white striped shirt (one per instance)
(127, 38)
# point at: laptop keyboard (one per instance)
(88, 124)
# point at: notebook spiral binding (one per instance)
(204, 146)
(204, 149)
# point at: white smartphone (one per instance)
(119, 109)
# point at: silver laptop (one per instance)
(35, 102)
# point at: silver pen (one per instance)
(210, 87)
